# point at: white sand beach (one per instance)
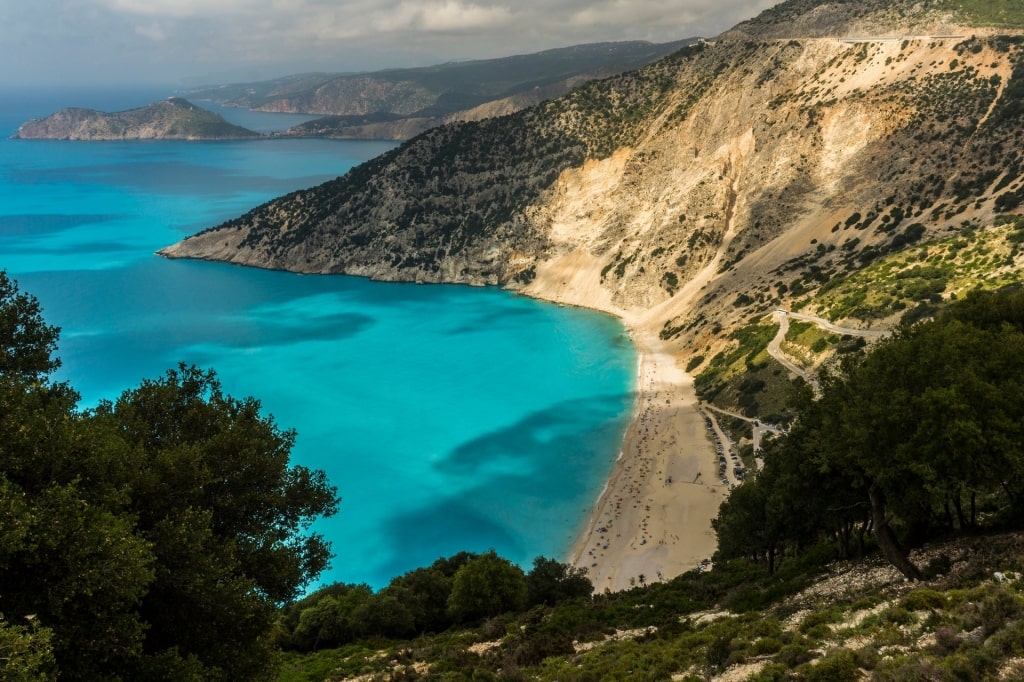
(652, 522)
(653, 518)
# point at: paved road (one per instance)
(759, 428)
(775, 350)
(775, 346)
(825, 324)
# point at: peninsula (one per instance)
(172, 119)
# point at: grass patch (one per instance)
(1006, 13)
(930, 273)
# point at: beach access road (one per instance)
(775, 345)
(758, 428)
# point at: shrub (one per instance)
(838, 666)
(793, 655)
(765, 645)
(998, 608)
(923, 600)
(898, 615)
(947, 640)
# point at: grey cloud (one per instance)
(168, 40)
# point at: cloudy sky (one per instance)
(184, 42)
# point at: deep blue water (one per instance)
(450, 418)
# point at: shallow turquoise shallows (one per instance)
(450, 418)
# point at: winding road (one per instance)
(775, 345)
(759, 428)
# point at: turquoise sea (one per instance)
(450, 418)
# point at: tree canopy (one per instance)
(27, 343)
(152, 537)
(487, 585)
(923, 435)
(458, 590)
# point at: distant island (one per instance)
(172, 119)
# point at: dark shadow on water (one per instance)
(243, 334)
(74, 249)
(170, 177)
(540, 436)
(26, 225)
(442, 530)
(518, 471)
(489, 318)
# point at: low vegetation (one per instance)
(987, 12)
(930, 273)
(815, 618)
(914, 280)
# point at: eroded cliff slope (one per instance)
(698, 192)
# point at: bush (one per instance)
(765, 645)
(924, 600)
(998, 608)
(838, 666)
(487, 585)
(898, 615)
(793, 655)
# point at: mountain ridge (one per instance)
(401, 103)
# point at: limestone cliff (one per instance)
(171, 119)
(696, 193)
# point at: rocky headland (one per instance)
(172, 119)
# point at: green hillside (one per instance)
(1003, 13)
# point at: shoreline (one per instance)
(652, 520)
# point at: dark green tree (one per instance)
(153, 537)
(27, 343)
(425, 591)
(917, 433)
(743, 526)
(330, 618)
(486, 586)
(550, 582)
(69, 555)
(26, 654)
(929, 417)
(387, 615)
(227, 517)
